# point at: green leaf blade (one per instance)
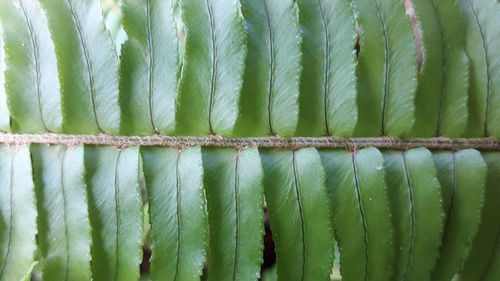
(149, 68)
(18, 227)
(31, 81)
(235, 198)
(386, 69)
(481, 41)
(482, 251)
(270, 94)
(463, 175)
(328, 82)
(442, 94)
(417, 210)
(177, 212)
(4, 110)
(115, 208)
(88, 66)
(211, 79)
(64, 227)
(294, 188)
(361, 213)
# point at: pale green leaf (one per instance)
(270, 95)
(31, 80)
(212, 73)
(88, 66)
(177, 212)
(63, 223)
(4, 110)
(387, 69)
(483, 249)
(149, 67)
(328, 85)
(17, 213)
(482, 44)
(361, 213)
(462, 176)
(417, 212)
(115, 208)
(294, 185)
(235, 198)
(441, 101)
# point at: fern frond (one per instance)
(361, 213)
(212, 74)
(149, 68)
(18, 214)
(441, 101)
(177, 212)
(88, 66)
(31, 79)
(387, 69)
(294, 185)
(63, 218)
(115, 210)
(270, 94)
(235, 197)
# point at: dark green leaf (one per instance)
(462, 176)
(387, 69)
(149, 67)
(115, 208)
(212, 73)
(361, 213)
(88, 66)
(483, 249)
(328, 85)
(177, 212)
(482, 44)
(270, 94)
(294, 183)
(17, 214)
(417, 212)
(63, 223)
(441, 101)
(31, 80)
(235, 199)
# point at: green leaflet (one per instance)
(462, 176)
(64, 228)
(177, 212)
(387, 69)
(294, 185)
(4, 111)
(88, 66)
(361, 213)
(441, 101)
(235, 198)
(270, 95)
(328, 85)
(149, 67)
(31, 81)
(17, 214)
(482, 45)
(417, 212)
(493, 272)
(115, 208)
(483, 248)
(211, 79)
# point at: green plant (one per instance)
(345, 120)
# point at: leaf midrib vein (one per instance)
(178, 207)
(326, 70)
(36, 58)
(11, 218)
(65, 217)
(301, 213)
(412, 212)
(213, 66)
(117, 215)
(237, 218)
(361, 211)
(151, 65)
(271, 70)
(88, 62)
